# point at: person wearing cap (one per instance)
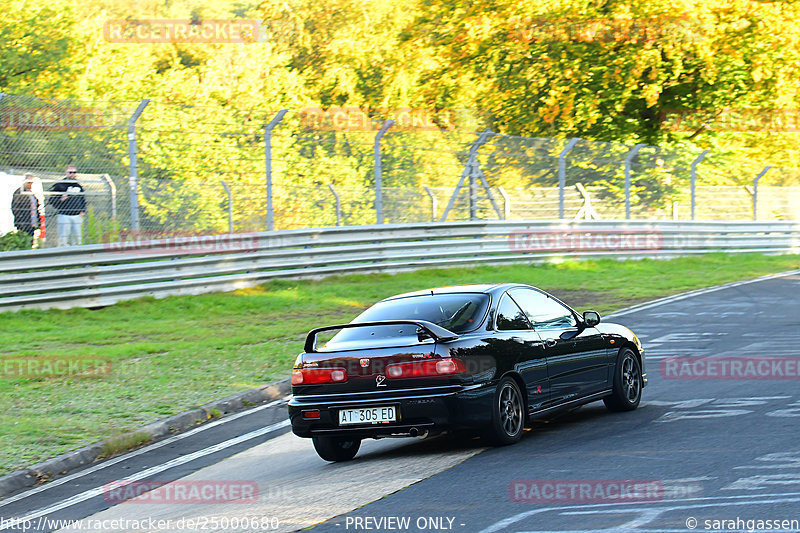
(25, 207)
(67, 196)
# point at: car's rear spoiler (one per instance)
(437, 333)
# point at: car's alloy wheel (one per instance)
(508, 413)
(336, 448)
(627, 390)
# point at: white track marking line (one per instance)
(749, 499)
(97, 491)
(140, 451)
(699, 292)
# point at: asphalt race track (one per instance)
(714, 446)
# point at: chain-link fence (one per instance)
(154, 169)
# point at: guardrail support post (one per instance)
(230, 205)
(268, 164)
(433, 203)
(562, 174)
(338, 204)
(693, 176)
(755, 191)
(628, 160)
(133, 180)
(379, 172)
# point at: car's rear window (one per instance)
(457, 312)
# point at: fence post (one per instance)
(506, 203)
(338, 205)
(473, 195)
(379, 172)
(472, 160)
(112, 189)
(628, 159)
(230, 205)
(433, 203)
(562, 174)
(693, 175)
(755, 191)
(586, 211)
(268, 164)
(133, 180)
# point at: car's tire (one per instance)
(508, 413)
(336, 449)
(627, 389)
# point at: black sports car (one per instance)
(486, 357)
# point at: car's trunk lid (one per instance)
(366, 351)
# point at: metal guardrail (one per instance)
(99, 275)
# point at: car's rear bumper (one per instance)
(418, 410)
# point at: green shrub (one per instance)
(99, 229)
(15, 240)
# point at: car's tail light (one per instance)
(418, 369)
(314, 376)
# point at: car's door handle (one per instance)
(517, 339)
(551, 342)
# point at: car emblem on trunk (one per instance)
(364, 363)
(379, 381)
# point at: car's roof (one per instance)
(486, 288)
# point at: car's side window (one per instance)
(510, 316)
(543, 311)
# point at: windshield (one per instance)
(458, 312)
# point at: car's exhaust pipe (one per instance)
(414, 432)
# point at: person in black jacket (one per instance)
(71, 206)
(25, 207)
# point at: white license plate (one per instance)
(368, 415)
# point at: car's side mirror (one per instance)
(591, 318)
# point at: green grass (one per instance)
(174, 354)
(122, 443)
